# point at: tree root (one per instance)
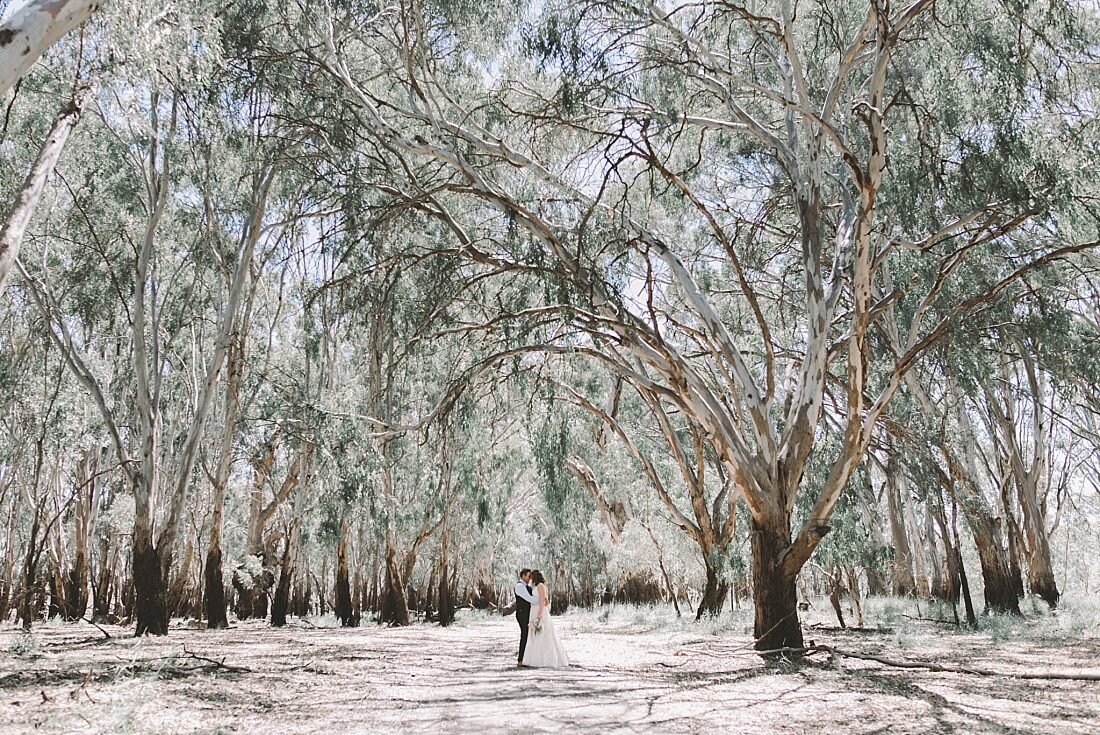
(935, 667)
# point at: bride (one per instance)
(544, 648)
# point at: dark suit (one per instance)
(523, 617)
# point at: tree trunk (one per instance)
(1015, 541)
(216, 616)
(179, 597)
(920, 562)
(76, 587)
(835, 588)
(949, 591)
(664, 570)
(104, 587)
(55, 587)
(150, 595)
(936, 564)
(964, 583)
(876, 582)
(446, 599)
(715, 591)
(1028, 467)
(28, 611)
(395, 610)
(33, 29)
(215, 583)
(89, 494)
(1040, 571)
(774, 596)
(214, 596)
(357, 592)
(854, 594)
(243, 587)
(124, 600)
(1000, 592)
(7, 576)
(344, 610)
(903, 583)
(872, 557)
(281, 603)
(11, 233)
(303, 589)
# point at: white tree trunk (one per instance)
(11, 236)
(31, 31)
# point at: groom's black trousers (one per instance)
(523, 621)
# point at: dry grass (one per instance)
(637, 670)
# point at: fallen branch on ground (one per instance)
(931, 620)
(848, 629)
(171, 665)
(105, 633)
(161, 666)
(218, 665)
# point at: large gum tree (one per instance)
(732, 197)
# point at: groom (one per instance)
(525, 597)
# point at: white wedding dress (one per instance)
(544, 650)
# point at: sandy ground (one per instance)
(631, 674)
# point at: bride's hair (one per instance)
(537, 578)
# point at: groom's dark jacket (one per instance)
(523, 607)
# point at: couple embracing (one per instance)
(538, 642)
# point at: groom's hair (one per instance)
(523, 572)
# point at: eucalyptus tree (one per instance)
(55, 473)
(680, 487)
(942, 449)
(1035, 359)
(1022, 459)
(696, 492)
(498, 488)
(24, 37)
(251, 88)
(45, 494)
(493, 474)
(406, 475)
(243, 390)
(21, 359)
(906, 561)
(145, 131)
(734, 199)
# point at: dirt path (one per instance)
(627, 678)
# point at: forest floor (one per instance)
(635, 670)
